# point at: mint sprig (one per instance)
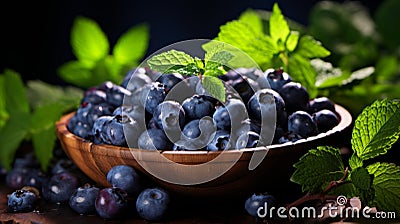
(94, 62)
(208, 70)
(277, 47)
(31, 119)
(376, 129)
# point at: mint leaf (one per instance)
(317, 168)
(361, 178)
(240, 58)
(252, 19)
(310, 48)
(40, 93)
(259, 47)
(88, 41)
(218, 55)
(15, 93)
(132, 45)
(76, 73)
(214, 86)
(43, 131)
(11, 136)
(278, 27)
(170, 59)
(292, 40)
(355, 162)
(376, 129)
(302, 71)
(386, 184)
(3, 112)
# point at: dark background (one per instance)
(35, 34)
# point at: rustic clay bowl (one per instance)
(272, 173)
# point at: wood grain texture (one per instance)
(277, 167)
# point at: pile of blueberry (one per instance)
(64, 184)
(149, 110)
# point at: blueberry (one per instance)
(23, 200)
(289, 137)
(197, 134)
(301, 123)
(325, 120)
(15, 178)
(114, 93)
(169, 80)
(111, 203)
(321, 103)
(197, 107)
(98, 110)
(136, 112)
(221, 141)
(152, 204)
(98, 129)
(295, 96)
(35, 178)
(113, 131)
(153, 139)
(63, 165)
(83, 199)
(234, 110)
(81, 129)
(135, 79)
(170, 117)
(60, 187)
(266, 105)
(94, 96)
(247, 140)
(125, 177)
(154, 96)
(28, 160)
(277, 78)
(258, 200)
(237, 79)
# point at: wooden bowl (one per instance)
(272, 173)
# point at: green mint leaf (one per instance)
(89, 43)
(355, 162)
(3, 111)
(43, 131)
(107, 69)
(77, 73)
(166, 60)
(217, 55)
(302, 71)
(251, 18)
(361, 178)
(327, 75)
(317, 168)
(258, 46)
(376, 129)
(15, 93)
(386, 184)
(346, 189)
(358, 76)
(240, 58)
(292, 40)
(40, 93)
(132, 45)
(215, 87)
(11, 135)
(188, 70)
(278, 27)
(310, 48)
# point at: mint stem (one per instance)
(321, 196)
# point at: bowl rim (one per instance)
(345, 120)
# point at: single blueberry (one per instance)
(296, 97)
(83, 199)
(301, 123)
(277, 78)
(60, 187)
(22, 201)
(154, 139)
(325, 120)
(126, 178)
(111, 203)
(256, 201)
(152, 204)
(321, 103)
(197, 107)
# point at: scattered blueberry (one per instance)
(126, 178)
(111, 203)
(24, 200)
(256, 200)
(152, 204)
(60, 187)
(83, 199)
